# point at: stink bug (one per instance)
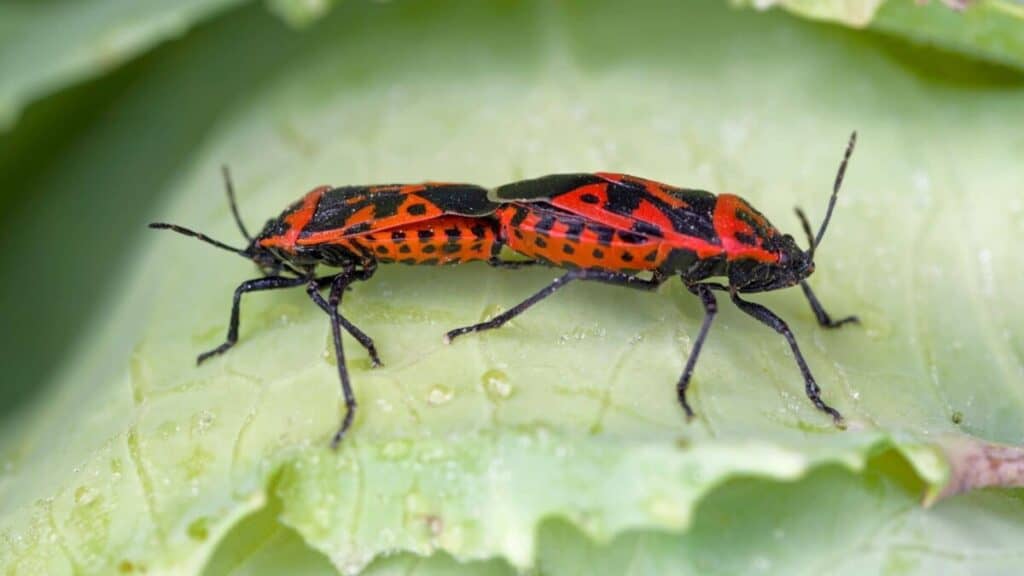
(354, 228)
(610, 227)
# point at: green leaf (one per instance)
(987, 29)
(524, 446)
(45, 46)
(857, 13)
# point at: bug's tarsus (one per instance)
(230, 188)
(707, 298)
(767, 317)
(824, 320)
(258, 284)
(187, 232)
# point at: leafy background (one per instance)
(553, 444)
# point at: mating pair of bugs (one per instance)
(611, 228)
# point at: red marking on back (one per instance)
(728, 226)
(367, 215)
(296, 221)
(571, 201)
(654, 188)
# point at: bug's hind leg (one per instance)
(618, 279)
(707, 298)
(364, 340)
(769, 318)
(265, 283)
(824, 320)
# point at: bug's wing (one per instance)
(624, 202)
(545, 188)
(356, 210)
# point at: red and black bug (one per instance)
(354, 228)
(610, 227)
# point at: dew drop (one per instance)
(202, 421)
(439, 394)
(496, 384)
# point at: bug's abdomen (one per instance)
(443, 240)
(545, 233)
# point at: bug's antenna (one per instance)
(185, 231)
(835, 192)
(231, 202)
(807, 230)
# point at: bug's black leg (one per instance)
(338, 285)
(769, 318)
(615, 278)
(710, 309)
(265, 283)
(364, 340)
(824, 320)
(511, 263)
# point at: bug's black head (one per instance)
(793, 264)
(270, 260)
(266, 259)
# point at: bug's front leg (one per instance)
(265, 283)
(338, 285)
(769, 318)
(364, 340)
(824, 320)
